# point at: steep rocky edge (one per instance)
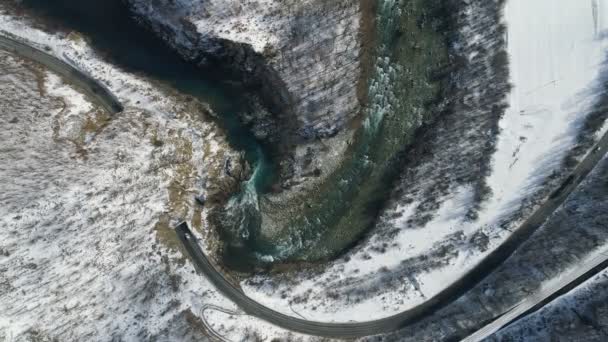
(287, 39)
(301, 59)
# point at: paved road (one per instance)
(106, 99)
(91, 87)
(401, 320)
(544, 296)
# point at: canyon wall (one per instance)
(302, 58)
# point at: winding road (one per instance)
(401, 320)
(79, 78)
(101, 95)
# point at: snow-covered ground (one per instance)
(82, 195)
(574, 233)
(256, 22)
(306, 50)
(557, 51)
(581, 315)
(85, 201)
(251, 22)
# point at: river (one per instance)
(339, 215)
(115, 34)
(408, 48)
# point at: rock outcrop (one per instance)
(302, 57)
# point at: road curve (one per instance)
(85, 82)
(401, 320)
(464, 284)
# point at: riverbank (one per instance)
(427, 236)
(333, 214)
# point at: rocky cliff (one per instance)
(301, 56)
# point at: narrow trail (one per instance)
(209, 327)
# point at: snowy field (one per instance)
(558, 55)
(557, 52)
